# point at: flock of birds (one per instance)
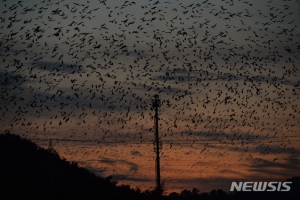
(83, 74)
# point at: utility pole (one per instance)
(51, 148)
(157, 145)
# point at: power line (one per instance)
(173, 142)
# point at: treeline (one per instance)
(30, 172)
(195, 194)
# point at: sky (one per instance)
(82, 74)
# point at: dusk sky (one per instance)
(82, 73)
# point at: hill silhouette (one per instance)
(28, 171)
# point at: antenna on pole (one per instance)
(157, 146)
